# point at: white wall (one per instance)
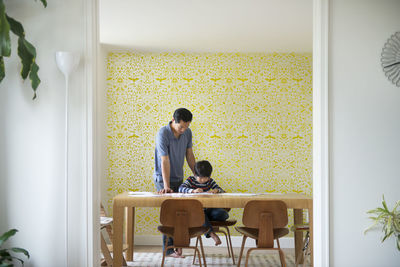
(365, 127)
(32, 138)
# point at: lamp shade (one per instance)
(67, 61)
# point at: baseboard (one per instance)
(156, 240)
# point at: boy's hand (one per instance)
(214, 191)
(198, 190)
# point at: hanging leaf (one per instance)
(33, 76)
(16, 27)
(44, 2)
(26, 51)
(26, 56)
(5, 42)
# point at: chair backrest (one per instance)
(102, 211)
(108, 227)
(265, 215)
(181, 214)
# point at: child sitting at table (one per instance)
(202, 182)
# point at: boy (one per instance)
(202, 182)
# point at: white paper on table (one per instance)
(190, 194)
(143, 194)
(238, 194)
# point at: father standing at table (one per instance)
(173, 144)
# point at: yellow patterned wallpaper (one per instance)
(252, 119)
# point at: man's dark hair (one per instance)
(182, 114)
(203, 168)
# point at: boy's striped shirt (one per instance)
(191, 184)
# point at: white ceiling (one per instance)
(207, 25)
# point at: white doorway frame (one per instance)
(320, 133)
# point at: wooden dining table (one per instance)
(131, 200)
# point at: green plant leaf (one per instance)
(388, 234)
(26, 57)
(16, 27)
(4, 264)
(377, 210)
(398, 242)
(44, 2)
(5, 42)
(2, 69)
(7, 234)
(4, 253)
(33, 76)
(384, 204)
(16, 258)
(370, 227)
(21, 250)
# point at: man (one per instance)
(173, 144)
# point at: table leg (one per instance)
(118, 219)
(298, 235)
(130, 231)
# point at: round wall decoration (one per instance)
(390, 59)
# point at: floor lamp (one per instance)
(67, 62)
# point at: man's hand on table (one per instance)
(166, 190)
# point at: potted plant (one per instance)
(6, 258)
(388, 220)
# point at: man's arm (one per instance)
(165, 170)
(190, 159)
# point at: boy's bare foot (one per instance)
(215, 238)
(177, 253)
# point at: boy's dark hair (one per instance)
(182, 114)
(203, 168)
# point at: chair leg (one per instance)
(226, 238)
(202, 251)
(304, 251)
(306, 248)
(194, 256)
(241, 250)
(282, 258)
(106, 252)
(198, 253)
(164, 252)
(277, 242)
(248, 256)
(230, 244)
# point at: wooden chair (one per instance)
(182, 219)
(306, 248)
(106, 230)
(217, 225)
(264, 221)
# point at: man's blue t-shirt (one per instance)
(175, 148)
